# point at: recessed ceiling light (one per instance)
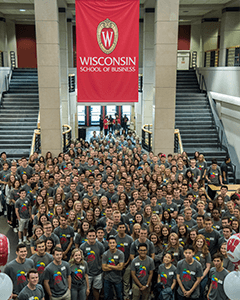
(22, 9)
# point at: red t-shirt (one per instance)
(105, 124)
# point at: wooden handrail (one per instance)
(176, 131)
(238, 46)
(35, 133)
(68, 130)
(143, 128)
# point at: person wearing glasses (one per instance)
(142, 268)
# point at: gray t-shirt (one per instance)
(203, 259)
(134, 247)
(58, 278)
(188, 276)
(170, 207)
(124, 244)
(113, 259)
(213, 175)
(18, 273)
(40, 263)
(54, 237)
(167, 275)
(23, 208)
(212, 239)
(92, 255)
(217, 279)
(64, 234)
(190, 223)
(142, 268)
(27, 294)
(78, 273)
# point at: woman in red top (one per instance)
(105, 125)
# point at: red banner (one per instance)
(107, 33)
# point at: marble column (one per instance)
(11, 41)
(229, 31)
(148, 65)
(3, 40)
(70, 42)
(165, 53)
(48, 60)
(63, 43)
(196, 42)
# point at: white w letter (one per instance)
(107, 39)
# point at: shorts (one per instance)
(96, 281)
(23, 224)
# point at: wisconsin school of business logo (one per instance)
(107, 36)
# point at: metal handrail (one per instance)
(222, 138)
(147, 142)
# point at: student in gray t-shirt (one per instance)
(32, 290)
(17, 269)
(57, 277)
(41, 259)
(217, 276)
(189, 273)
(142, 268)
(112, 265)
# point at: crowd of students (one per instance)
(108, 220)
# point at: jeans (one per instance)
(126, 281)
(137, 293)
(11, 215)
(79, 293)
(203, 284)
(3, 201)
(108, 290)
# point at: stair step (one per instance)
(13, 146)
(17, 141)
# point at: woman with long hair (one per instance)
(164, 234)
(219, 204)
(97, 213)
(80, 213)
(58, 210)
(167, 219)
(147, 214)
(37, 233)
(50, 208)
(135, 231)
(90, 218)
(103, 203)
(68, 206)
(227, 264)
(42, 210)
(73, 221)
(174, 246)
(190, 178)
(10, 207)
(35, 209)
(167, 275)
(182, 234)
(49, 245)
(81, 236)
(202, 255)
(13, 198)
(79, 275)
(154, 220)
(191, 236)
(94, 202)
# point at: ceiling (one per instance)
(190, 11)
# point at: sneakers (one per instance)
(5, 213)
(15, 230)
(26, 242)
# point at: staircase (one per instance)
(193, 117)
(19, 113)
